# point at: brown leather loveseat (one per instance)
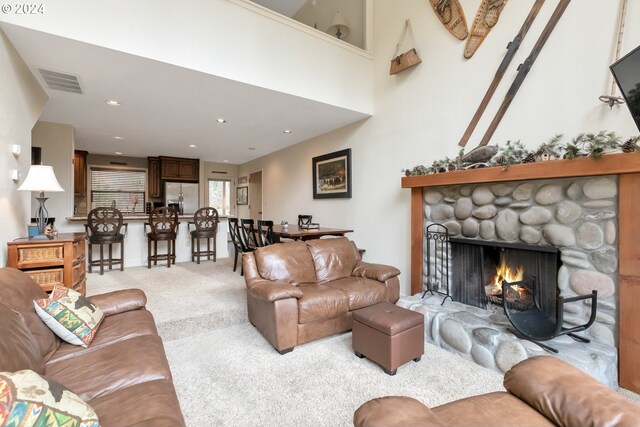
(123, 374)
(541, 391)
(298, 292)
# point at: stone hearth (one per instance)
(579, 217)
(481, 336)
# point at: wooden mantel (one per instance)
(627, 166)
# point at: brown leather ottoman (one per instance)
(388, 335)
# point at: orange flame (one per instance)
(504, 272)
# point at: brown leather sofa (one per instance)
(541, 391)
(298, 292)
(123, 375)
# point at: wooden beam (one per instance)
(417, 234)
(610, 164)
(629, 282)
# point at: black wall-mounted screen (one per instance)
(626, 71)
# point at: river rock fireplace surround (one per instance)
(586, 210)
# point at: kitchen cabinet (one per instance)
(80, 173)
(154, 177)
(57, 261)
(181, 169)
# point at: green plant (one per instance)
(513, 153)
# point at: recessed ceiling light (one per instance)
(112, 102)
(119, 153)
(192, 145)
(119, 138)
(225, 161)
(221, 120)
(252, 148)
(286, 131)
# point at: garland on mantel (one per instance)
(514, 152)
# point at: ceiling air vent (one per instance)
(61, 81)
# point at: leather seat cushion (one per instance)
(361, 292)
(388, 318)
(161, 236)
(113, 329)
(18, 347)
(18, 290)
(106, 238)
(286, 262)
(321, 302)
(333, 258)
(492, 409)
(153, 403)
(112, 367)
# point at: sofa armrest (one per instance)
(395, 411)
(567, 396)
(266, 290)
(120, 301)
(379, 272)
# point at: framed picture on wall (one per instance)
(332, 175)
(243, 180)
(242, 195)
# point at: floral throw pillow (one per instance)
(69, 315)
(29, 400)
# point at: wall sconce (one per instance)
(339, 26)
(15, 175)
(15, 150)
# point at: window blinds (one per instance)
(125, 187)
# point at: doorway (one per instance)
(255, 195)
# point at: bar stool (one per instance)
(164, 228)
(103, 228)
(206, 224)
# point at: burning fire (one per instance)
(504, 272)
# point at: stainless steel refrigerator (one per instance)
(182, 196)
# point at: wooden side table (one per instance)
(57, 261)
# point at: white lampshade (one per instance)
(339, 26)
(40, 178)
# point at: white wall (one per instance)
(420, 114)
(235, 39)
(21, 102)
(57, 143)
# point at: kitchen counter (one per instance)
(136, 240)
(136, 217)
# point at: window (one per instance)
(124, 187)
(220, 195)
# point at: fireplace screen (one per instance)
(479, 267)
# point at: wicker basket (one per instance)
(40, 253)
(47, 278)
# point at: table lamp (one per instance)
(41, 178)
(339, 26)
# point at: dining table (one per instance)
(297, 232)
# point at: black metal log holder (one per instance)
(438, 251)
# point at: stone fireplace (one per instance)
(565, 225)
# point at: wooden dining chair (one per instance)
(304, 220)
(238, 243)
(248, 233)
(265, 233)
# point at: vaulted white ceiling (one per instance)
(166, 108)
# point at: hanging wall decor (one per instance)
(407, 59)
(332, 175)
(451, 15)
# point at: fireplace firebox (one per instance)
(478, 269)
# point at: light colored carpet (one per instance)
(227, 374)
